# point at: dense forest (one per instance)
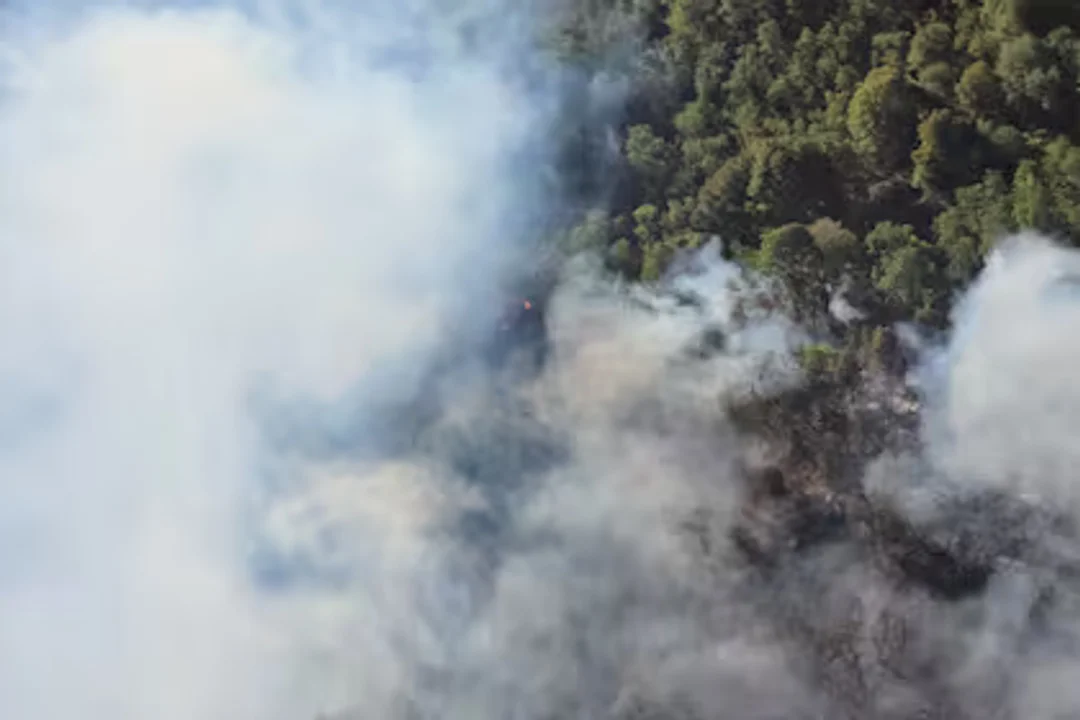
(873, 147)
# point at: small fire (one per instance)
(528, 305)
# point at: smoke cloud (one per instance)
(993, 482)
(217, 221)
(255, 465)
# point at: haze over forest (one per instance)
(507, 359)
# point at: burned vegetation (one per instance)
(858, 587)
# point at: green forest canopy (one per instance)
(886, 145)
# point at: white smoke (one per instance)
(993, 481)
(199, 209)
(220, 243)
(1012, 407)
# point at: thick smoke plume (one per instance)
(216, 223)
(256, 465)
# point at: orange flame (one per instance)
(528, 305)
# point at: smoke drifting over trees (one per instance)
(788, 433)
